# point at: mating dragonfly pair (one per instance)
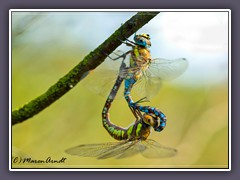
(144, 74)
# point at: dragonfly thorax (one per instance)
(139, 130)
(140, 61)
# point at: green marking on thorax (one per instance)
(139, 127)
(136, 53)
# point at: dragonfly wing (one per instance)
(102, 79)
(160, 69)
(147, 86)
(101, 82)
(119, 150)
(156, 150)
(92, 150)
(166, 69)
(133, 149)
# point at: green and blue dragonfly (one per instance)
(132, 140)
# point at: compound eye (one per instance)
(149, 120)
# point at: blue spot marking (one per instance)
(162, 115)
(158, 129)
(126, 84)
(127, 93)
(163, 124)
(131, 103)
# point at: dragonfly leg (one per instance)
(120, 56)
(128, 42)
(142, 100)
(136, 113)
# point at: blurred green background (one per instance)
(43, 50)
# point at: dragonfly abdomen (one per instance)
(116, 132)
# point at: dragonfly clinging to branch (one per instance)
(144, 74)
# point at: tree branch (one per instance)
(90, 62)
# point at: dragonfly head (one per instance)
(149, 119)
(142, 40)
(158, 122)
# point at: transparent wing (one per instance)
(94, 150)
(126, 149)
(148, 148)
(101, 82)
(167, 69)
(102, 79)
(155, 150)
(135, 148)
(159, 70)
(148, 86)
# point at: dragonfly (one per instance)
(132, 140)
(144, 74)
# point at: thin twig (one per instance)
(90, 62)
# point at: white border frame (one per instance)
(119, 10)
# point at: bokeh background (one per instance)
(46, 45)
